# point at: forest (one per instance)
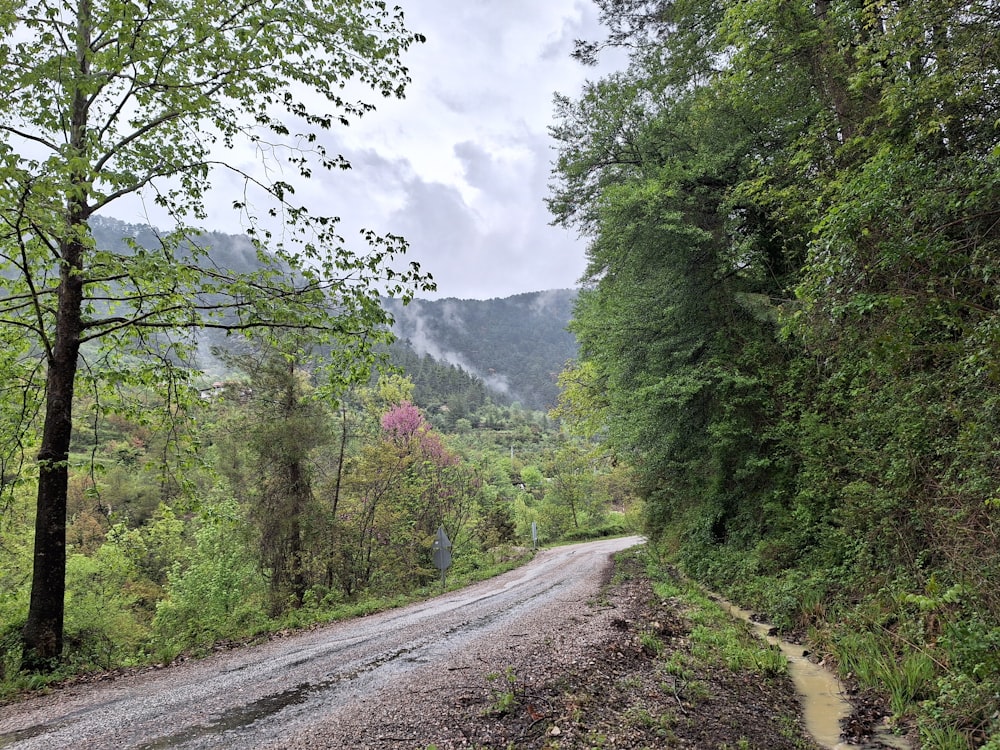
(253, 497)
(259, 504)
(786, 359)
(516, 345)
(789, 322)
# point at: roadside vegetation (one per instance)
(789, 322)
(284, 510)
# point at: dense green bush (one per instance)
(216, 591)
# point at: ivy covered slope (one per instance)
(790, 326)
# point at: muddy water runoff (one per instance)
(823, 704)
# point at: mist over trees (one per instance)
(516, 345)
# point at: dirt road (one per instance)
(310, 689)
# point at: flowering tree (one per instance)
(406, 484)
(404, 421)
(405, 427)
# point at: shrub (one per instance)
(219, 593)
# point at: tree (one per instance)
(281, 424)
(405, 483)
(790, 314)
(105, 100)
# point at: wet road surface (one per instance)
(256, 696)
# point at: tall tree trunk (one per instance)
(43, 631)
(299, 491)
(42, 636)
(300, 495)
(330, 572)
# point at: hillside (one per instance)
(516, 346)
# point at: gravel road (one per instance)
(330, 687)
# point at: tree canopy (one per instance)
(789, 322)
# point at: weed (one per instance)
(677, 666)
(875, 663)
(632, 682)
(731, 643)
(696, 690)
(505, 691)
(907, 680)
(651, 643)
(661, 726)
(943, 738)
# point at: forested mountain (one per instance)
(517, 345)
(232, 252)
(442, 387)
(257, 491)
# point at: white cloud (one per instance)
(460, 166)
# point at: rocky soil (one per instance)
(611, 671)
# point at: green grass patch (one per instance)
(717, 638)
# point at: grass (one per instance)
(873, 660)
(13, 683)
(716, 637)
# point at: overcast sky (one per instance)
(460, 167)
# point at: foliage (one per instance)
(104, 626)
(506, 690)
(216, 590)
(271, 464)
(716, 636)
(789, 324)
(105, 101)
(408, 483)
(440, 388)
(15, 561)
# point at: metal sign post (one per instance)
(441, 552)
(534, 535)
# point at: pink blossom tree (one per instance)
(404, 421)
(406, 427)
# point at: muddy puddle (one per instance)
(824, 706)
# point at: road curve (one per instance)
(269, 693)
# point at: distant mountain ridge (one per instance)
(515, 345)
